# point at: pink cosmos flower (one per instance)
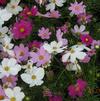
(10, 81)
(53, 14)
(22, 29)
(95, 44)
(86, 39)
(41, 57)
(77, 8)
(86, 59)
(21, 53)
(59, 36)
(2, 2)
(84, 18)
(91, 52)
(55, 98)
(27, 12)
(44, 33)
(78, 89)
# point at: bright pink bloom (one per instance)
(10, 81)
(55, 98)
(35, 44)
(27, 12)
(86, 39)
(22, 29)
(2, 2)
(21, 53)
(84, 18)
(44, 33)
(78, 89)
(77, 8)
(41, 57)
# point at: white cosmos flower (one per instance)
(34, 77)
(4, 16)
(53, 3)
(14, 94)
(13, 7)
(75, 52)
(3, 31)
(54, 47)
(79, 30)
(9, 67)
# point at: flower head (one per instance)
(2, 94)
(41, 57)
(21, 29)
(86, 39)
(2, 2)
(77, 8)
(77, 89)
(44, 33)
(21, 53)
(34, 76)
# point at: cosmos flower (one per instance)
(41, 57)
(34, 76)
(78, 88)
(44, 33)
(9, 81)
(21, 53)
(51, 6)
(2, 2)
(9, 67)
(14, 94)
(77, 8)
(21, 29)
(86, 39)
(2, 94)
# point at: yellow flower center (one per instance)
(29, 13)
(6, 68)
(22, 29)
(86, 39)
(72, 51)
(13, 99)
(53, 1)
(0, 34)
(33, 77)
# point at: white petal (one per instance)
(82, 28)
(9, 93)
(65, 57)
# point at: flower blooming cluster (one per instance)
(28, 53)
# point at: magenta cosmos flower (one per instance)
(21, 53)
(27, 12)
(86, 39)
(77, 89)
(41, 57)
(44, 33)
(2, 2)
(9, 81)
(55, 98)
(77, 8)
(22, 29)
(2, 94)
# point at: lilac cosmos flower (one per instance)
(41, 57)
(21, 53)
(9, 81)
(44, 33)
(77, 8)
